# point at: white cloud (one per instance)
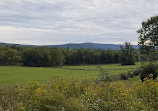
(67, 21)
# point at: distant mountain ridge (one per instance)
(76, 46)
(11, 44)
(92, 46)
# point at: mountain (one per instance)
(10, 44)
(77, 46)
(92, 46)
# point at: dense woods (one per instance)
(44, 56)
(37, 57)
(90, 56)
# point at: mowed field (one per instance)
(18, 74)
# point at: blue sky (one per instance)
(50, 22)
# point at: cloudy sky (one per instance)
(41, 22)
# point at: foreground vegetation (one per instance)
(78, 95)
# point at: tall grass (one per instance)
(81, 95)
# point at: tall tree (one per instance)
(37, 57)
(9, 56)
(127, 57)
(148, 38)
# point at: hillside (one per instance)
(72, 45)
(10, 44)
(92, 46)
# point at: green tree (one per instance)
(147, 70)
(9, 56)
(42, 56)
(127, 57)
(57, 57)
(36, 57)
(148, 38)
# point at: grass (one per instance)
(131, 80)
(19, 74)
(113, 69)
(107, 66)
(13, 74)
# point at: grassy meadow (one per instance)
(19, 74)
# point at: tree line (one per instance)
(49, 56)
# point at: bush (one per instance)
(104, 75)
(123, 77)
(130, 74)
(53, 101)
(74, 104)
(136, 72)
(148, 69)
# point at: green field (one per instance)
(19, 74)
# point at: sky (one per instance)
(51, 22)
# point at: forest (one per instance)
(44, 56)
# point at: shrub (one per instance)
(74, 104)
(104, 75)
(148, 69)
(123, 77)
(136, 72)
(130, 74)
(53, 101)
